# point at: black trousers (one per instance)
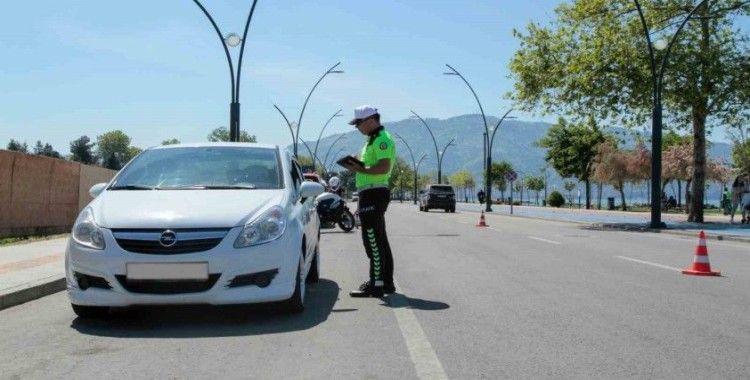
(372, 206)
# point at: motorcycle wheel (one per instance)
(347, 221)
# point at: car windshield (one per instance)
(202, 168)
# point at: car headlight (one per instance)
(268, 227)
(86, 232)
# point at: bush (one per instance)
(555, 199)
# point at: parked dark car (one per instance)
(437, 196)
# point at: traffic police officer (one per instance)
(379, 157)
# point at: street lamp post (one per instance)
(291, 130)
(415, 164)
(657, 79)
(487, 137)
(232, 40)
(335, 115)
(434, 141)
(295, 131)
(327, 164)
(401, 185)
(441, 154)
(341, 137)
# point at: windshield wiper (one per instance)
(211, 187)
(132, 187)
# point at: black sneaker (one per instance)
(366, 290)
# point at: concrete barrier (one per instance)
(42, 195)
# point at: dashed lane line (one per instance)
(649, 263)
(544, 240)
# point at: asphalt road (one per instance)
(522, 299)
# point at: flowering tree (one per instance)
(613, 166)
(678, 165)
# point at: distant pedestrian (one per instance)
(740, 185)
(671, 202)
(726, 201)
(480, 196)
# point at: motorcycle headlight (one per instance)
(86, 232)
(266, 228)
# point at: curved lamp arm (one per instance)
(309, 94)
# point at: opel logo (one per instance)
(168, 238)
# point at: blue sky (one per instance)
(156, 70)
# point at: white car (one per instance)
(215, 223)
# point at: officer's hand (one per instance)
(354, 167)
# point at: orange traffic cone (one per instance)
(482, 223)
(701, 266)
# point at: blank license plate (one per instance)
(167, 271)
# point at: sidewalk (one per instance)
(717, 224)
(31, 270)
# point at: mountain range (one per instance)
(515, 142)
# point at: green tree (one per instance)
(463, 180)
(555, 199)
(114, 149)
(741, 156)
(569, 186)
(499, 170)
(112, 162)
(170, 142)
(221, 134)
(518, 187)
(132, 152)
(305, 162)
(17, 146)
(535, 184)
(81, 150)
(45, 150)
(592, 61)
(571, 149)
(402, 176)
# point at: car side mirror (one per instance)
(310, 190)
(97, 189)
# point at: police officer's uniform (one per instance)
(374, 197)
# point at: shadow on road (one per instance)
(398, 300)
(213, 321)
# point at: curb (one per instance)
(30, 292)
(633, 228)
(709, 234)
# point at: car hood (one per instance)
(181, 208)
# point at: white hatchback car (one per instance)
(216, 223)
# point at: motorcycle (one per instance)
(332, 210)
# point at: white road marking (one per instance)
(649, 263)
(544, 240)
(422, 354)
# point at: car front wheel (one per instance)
(313, 276)
(296, 303)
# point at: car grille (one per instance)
(188, 240)
(168, 287)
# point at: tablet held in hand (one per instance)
(350, 161)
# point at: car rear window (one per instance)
(441, 189)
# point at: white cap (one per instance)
(363, 112)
